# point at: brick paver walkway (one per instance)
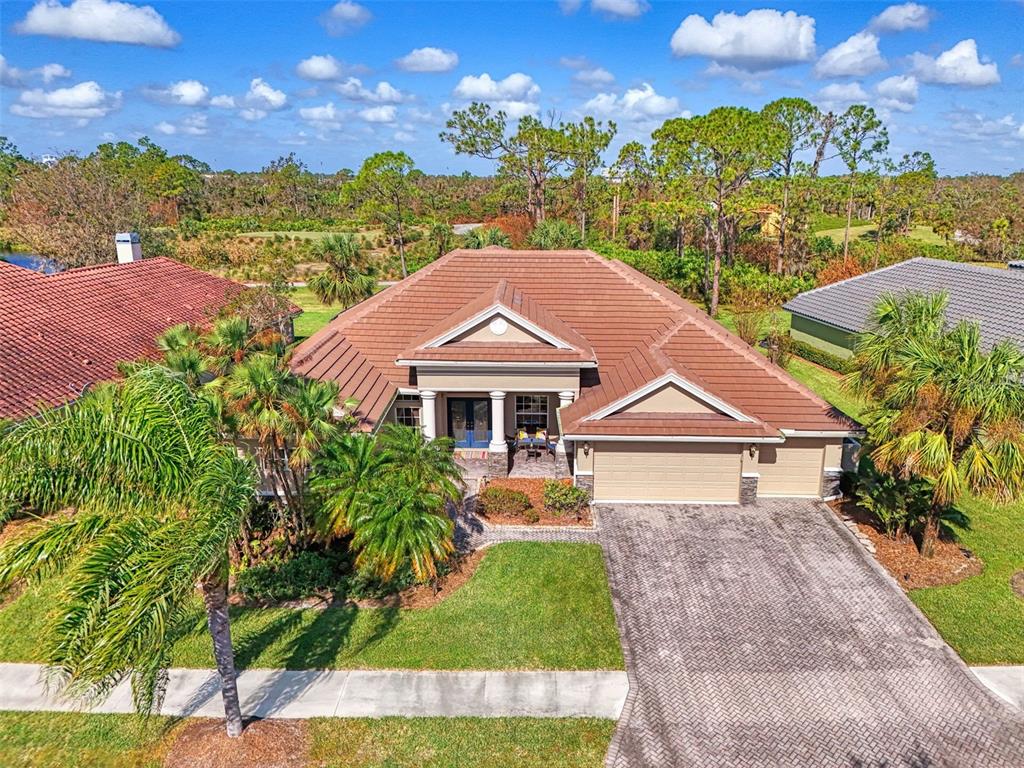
(765, 636)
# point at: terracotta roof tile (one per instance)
(636, 327)
(60, 333)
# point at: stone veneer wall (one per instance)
(497, 463)
(586, 482)
(748, 489)
(830, 484)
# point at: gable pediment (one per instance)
(670, 394)
(669, 398)
(498, 329)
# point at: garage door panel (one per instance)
(791, 469)
(666, 472)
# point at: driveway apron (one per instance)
(766, 636)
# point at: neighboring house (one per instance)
(60, 333)
(832, 316)
(653, 400)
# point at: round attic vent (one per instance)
(498, 326)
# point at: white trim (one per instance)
(673, 439)
(821, 433)
(669, 501)
(789, 495)
(408, 391)
(582, 473)
(669, 378)
(484, 390)
(570, 367)
(750, 474)
(491, 311)
(837, 470)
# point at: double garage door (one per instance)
(667, 472)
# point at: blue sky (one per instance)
(239, 83)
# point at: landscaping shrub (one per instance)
(531, 515)
(819, 356)
(562, 500)
(555, 234)
(304, 575)
(896, 504)
(504, 502)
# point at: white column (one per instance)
(498, 421)
(564, 399)
(427, 415)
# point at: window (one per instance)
(531, 412)
(407, 413)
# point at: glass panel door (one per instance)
(458, 426)
(481, 423)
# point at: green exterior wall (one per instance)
(822, 336)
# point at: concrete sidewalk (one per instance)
(351, 693)
(1006, 682)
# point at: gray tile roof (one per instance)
(993, 298)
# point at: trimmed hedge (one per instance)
(501, 501)
(825, 359)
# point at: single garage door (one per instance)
(677, 472)
(791, 469)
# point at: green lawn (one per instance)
(827, 384)
(867, 231)
(314, 314)
(57, 740)
(528, 606)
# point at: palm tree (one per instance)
(442, 237)
(137, 501)
(348, 278)
(390, 493)
(481, 237)
(555, 234)
(945, 410)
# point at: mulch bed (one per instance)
(203, 743)
(950, 564)
(429, 595)
(1017, 584)
(533, 487)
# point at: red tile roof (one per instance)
(60, 333)
(619, 313)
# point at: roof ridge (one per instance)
(858, 277)
(115, 265)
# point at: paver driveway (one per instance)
(765, 636)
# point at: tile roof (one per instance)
(994, 298)
(618, 312)
(60, 333)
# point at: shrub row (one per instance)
(819, 356)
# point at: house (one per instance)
(832, 316)
(650, 399)
(60, 333)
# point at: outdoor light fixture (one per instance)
(586, 449)
(751, 450)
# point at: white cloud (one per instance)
(187, 93)
(193, 125)
(597, 76)
(623, 9)
(404, 136)
(263, 96)
(323, 117)
(223, 102)
(16, 78)
(252, 114)
(898, 92)
(975, 126)
(429, 60)
(569, 6)
(382, 114)
(759, 40)
(839, 95)
(383, 92)
(516, 86)
(85, 101)
(1017, 60)
(959, 65)
(856, 56)
(636, 104)
(345, 17)
(106, 21)
(320, 68)
(897, 18)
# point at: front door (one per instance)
(469, 421)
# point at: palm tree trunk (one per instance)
(215, 596)
(780, 258)
(849, 217)
(930, 533)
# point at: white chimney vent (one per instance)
(128, 247)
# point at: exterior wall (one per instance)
(793, 468)
(514, 333)
(484, 380)
(667, 472)
(668, 399)
(584, 462)
(822, 336)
